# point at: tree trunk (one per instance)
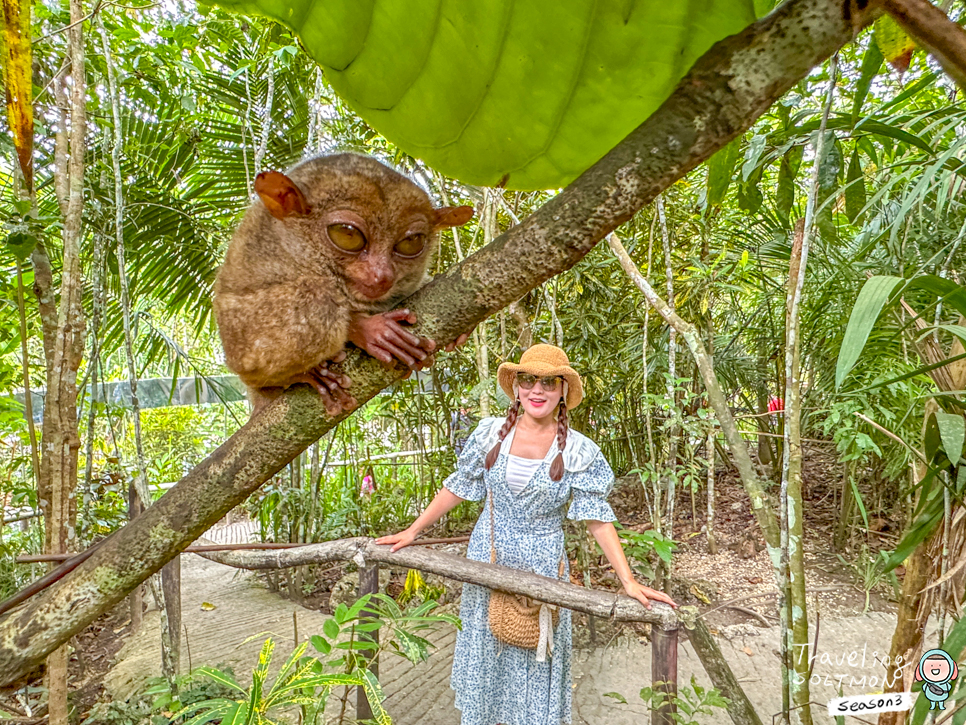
(673, 432)
(722, 95)
(63, 346)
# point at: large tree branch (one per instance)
(726, 91)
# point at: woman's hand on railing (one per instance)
(397, 541)
(645, 595)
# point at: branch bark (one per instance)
(722, 95)
(493, 576)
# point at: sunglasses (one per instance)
(548, 383)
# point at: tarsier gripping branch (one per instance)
(320, 260)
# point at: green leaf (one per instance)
(321, 644)
(763, 7)
(859, 501)
(375, 697)
(831, 166)
(222, 678)
(952, 431)
(331, 629)
(20, 244)
(873, 297)
(952, 294)
(924, 525)
(787, 171)
(877, 128)
(617, 696)
(486, 90)
(871, 63)
(721, 167)
(854, 189)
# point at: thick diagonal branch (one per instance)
(728, 88)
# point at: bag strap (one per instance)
(492, 529)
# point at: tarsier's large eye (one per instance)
(411, 246)
(347, 237)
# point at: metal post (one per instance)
(664, 672)
(368, 584)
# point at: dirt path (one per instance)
(420, 694)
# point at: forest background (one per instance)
(185, 105)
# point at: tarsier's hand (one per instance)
(330, 385)
(384, 337)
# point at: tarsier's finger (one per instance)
(426, 362)
(459, 342)
(417, 349)
(403, 315)
(331, 378)
(395, 351)
(400, 332)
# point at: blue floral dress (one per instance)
(496, 682)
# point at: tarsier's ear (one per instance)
(280, 195)
(452, 216)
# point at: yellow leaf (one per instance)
(896, 47)
(207, 606)
(15, 57)
(748, 651)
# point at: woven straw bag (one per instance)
(515, 618)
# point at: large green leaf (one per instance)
(854, 189)
(868, 306)
(721, 167)
(527, 93)
(952, 432)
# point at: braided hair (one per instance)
(511, 418)
(557, 467)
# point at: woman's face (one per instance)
(539, 401)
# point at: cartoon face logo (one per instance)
(936, 672)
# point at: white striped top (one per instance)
(519, 471)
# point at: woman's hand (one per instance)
(398, 541)
(644, 594)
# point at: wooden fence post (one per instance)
(664, 672)
(368, 584)
(171, 586)
(136, 598)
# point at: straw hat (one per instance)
(542, 360)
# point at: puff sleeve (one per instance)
(467, 480)
(589, 489)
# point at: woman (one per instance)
(529, 482)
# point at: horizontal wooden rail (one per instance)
(361, 551)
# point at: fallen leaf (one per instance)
(207, 606)
(748, 651)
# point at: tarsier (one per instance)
(320, 260)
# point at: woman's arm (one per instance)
(610, 543)
(444, 502)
